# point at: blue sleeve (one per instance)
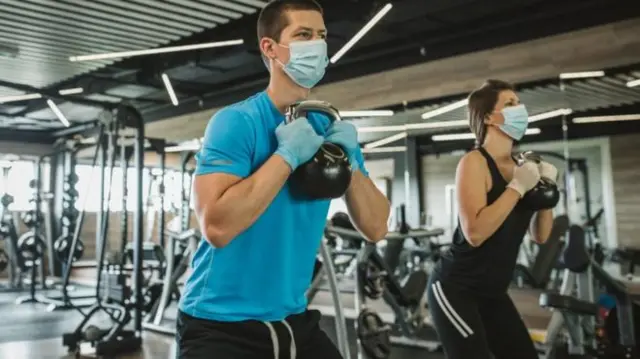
(360, 159)
(227, 146)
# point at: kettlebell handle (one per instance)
(529, 156)
(533, 157)
(299, 109)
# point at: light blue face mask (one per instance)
(516, 120)
(307, 62)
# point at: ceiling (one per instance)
(39, 36)
(607, 95)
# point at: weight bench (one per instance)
(568, 304)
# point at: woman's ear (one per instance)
(494, 118)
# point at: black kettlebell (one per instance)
(545, 195)
(328, 174)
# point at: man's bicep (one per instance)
(227, 146)
(210, 187)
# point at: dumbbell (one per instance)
(545, 195)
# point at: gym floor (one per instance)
(31, 332)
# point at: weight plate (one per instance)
(30, 248)
(374, 335)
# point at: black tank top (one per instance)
(487, 269)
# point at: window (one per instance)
(89, 192)
(17, 183)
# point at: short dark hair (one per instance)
(273, 18)
(481, 104)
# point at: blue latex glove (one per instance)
(345, 135)
(297, 142)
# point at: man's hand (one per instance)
(345, 135)
(297, 142)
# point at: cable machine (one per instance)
(118, 296)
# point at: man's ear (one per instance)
(266, 47)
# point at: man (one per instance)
(246, 295)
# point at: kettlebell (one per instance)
(545, 195)
(328, 174)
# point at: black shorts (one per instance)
(251, 339)
(472, 326)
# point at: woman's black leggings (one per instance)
(470, 326)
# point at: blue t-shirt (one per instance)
(264, 272)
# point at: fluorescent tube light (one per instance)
(367, 113)
(613, 118)
(167, 85)
(360, 34)
(374, 129)
(385, 149)
(438, 124)
(71, 91)
(444, 109)
(161, 50)
(192, 145)
(550, 114)
(580, 75)
(633, 83)
(386, 140)
(17, 98)
(58, 113)
(471, 136)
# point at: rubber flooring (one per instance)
(32, 321)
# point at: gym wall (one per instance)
(625, 162)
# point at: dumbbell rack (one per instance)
(69, 223)
(31, 245)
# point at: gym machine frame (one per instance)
(577, 314)
(117, 340)
(374, 336)
(173, 271)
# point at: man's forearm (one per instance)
(241, 205)
(368, 207)
(542, 225)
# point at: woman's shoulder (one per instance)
(473, 159)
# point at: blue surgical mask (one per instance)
(516, 120)
(307, 62)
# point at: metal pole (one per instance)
(161, 193)
(138, 226)
(341, 322)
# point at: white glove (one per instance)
(548, 171)
(525, 177)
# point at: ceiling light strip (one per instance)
(161, 50)
(386, 140)
(595, 119)
(360, 34)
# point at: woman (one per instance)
(471, 310)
